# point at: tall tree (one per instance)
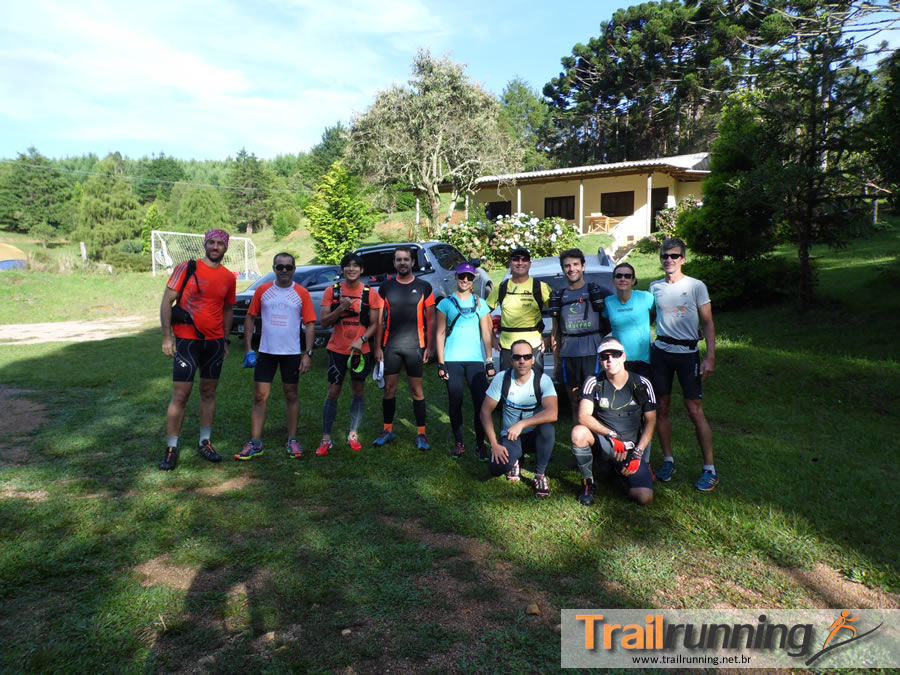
(884, 130)
(248, 199)
(200, 209)
(816, 98)
(332, 148)
(338, 218)
(526, 117)
(33, 193)
(110, 212)
(440, 128)
(160, 174)
(649, 85)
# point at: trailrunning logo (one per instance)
(778, 638)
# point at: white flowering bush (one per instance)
(493, 240)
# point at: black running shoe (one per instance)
(205, 450)
(587, 492)
(170, 460)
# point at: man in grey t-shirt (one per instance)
(682, 303)
(578, 326)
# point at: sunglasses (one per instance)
(467, 276)
(624, 275)
(611, 354)
(522, 357)
(670, 256)
(520, 258)
(284, 268)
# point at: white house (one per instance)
(621, 199)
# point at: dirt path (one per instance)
(72, 331)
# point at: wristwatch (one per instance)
(309, 353)
(364, 339)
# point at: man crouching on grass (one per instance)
(617, 416)
(200, 320)
(530, 408)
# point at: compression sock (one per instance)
(357, 406)
(388, 408)
(172, 441)
(419, 410)
(585, 458)
(205, 433)
(329, 413)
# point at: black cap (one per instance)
(520, 251)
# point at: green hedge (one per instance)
(734, 285)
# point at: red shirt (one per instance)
(348, 329)
(206, 295)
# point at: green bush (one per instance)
(286, 221)
(132, 262)
(130, 246)
(648, 245)
(739, 284)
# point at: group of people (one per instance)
(618, 379)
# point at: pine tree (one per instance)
(110, 212)
(338, 218)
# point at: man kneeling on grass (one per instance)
(617, 416)
(529, 411)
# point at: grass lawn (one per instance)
(107, 564)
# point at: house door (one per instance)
(659, 198)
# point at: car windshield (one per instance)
(378, 264)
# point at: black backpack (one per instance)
(507, 383)
(363, 303)
(592, 290)
(536, 292)
(179, 314)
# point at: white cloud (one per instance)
(207, 77)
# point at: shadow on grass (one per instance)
(369, 541)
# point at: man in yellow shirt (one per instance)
(521, 300)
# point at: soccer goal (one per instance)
(170, 248)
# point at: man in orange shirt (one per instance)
(200, 321)
(286, 309)
(354, 310)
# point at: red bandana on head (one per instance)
(221, 235)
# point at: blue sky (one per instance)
(201, 79)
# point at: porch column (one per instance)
(649, 221)
(518, 199)
(581, 206)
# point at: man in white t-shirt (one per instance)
(682, 303)
(286, 309)
(530, 408)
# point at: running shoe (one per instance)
(484, 453)
(541, 486)
(513, 474)
(707, 481)
(422, 443)
(293, 448)
(458, 451)
(249, 451)
(587, 492)
(206, 451)
(665, 472)
(170, 459)
(324, 447)
(355, 445)
(384, 438)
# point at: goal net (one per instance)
(170, 248)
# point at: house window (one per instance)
(617, 204)
(560, 207)
(496, 209)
